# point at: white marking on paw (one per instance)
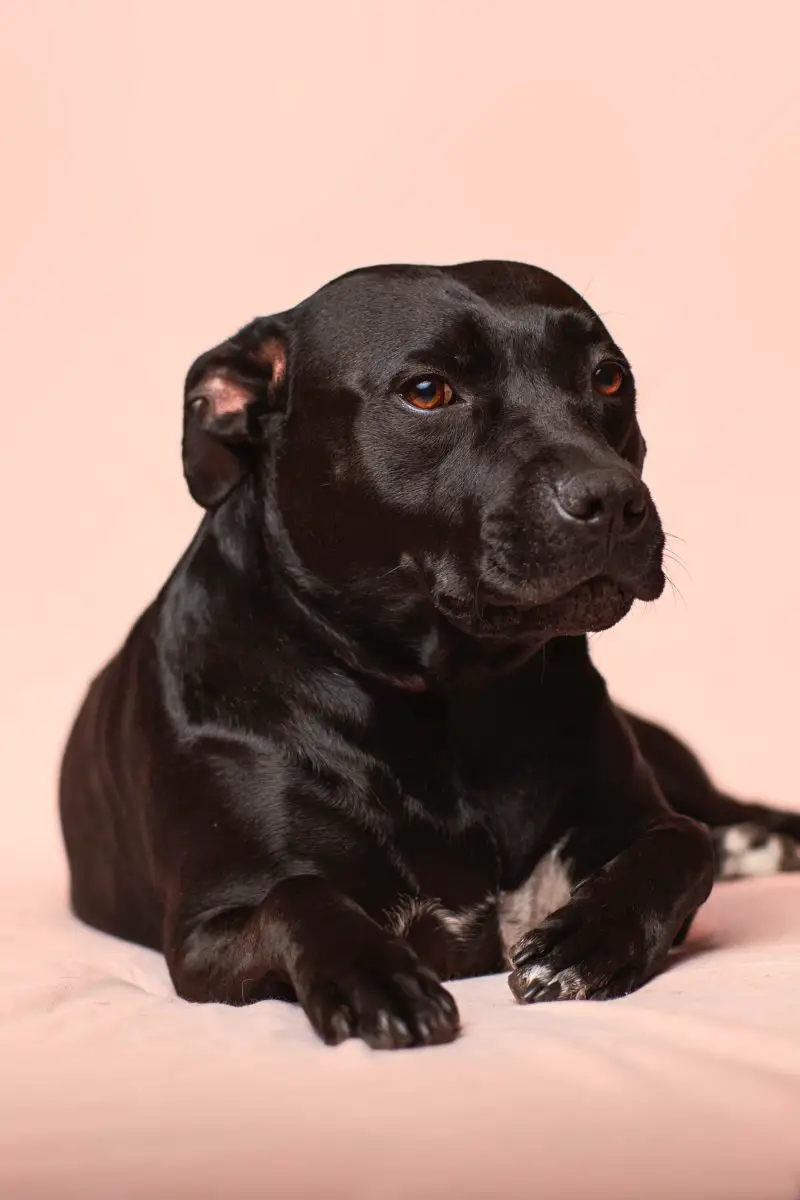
(569, 982)
(536, 973)
(547, 888)
(747, 853)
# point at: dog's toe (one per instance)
(432, 1011)
(329, 1013)
(390, 1005)
(568, 957)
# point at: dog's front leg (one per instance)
(310, 941)
(641, 873)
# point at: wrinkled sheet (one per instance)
(112, 1087)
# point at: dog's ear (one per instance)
(229, 393)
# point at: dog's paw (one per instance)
(391, 1002)
(577, 954)
(750, 850)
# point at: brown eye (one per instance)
(608, 378)
(428, 393)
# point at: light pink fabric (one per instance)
(690, 1090)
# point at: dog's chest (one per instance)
(494, 767)
(477, 937)
(478, 880)
(482, 786)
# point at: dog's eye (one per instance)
(608, 378)
(428, 393)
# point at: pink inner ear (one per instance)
(272, 353)
(225, 396)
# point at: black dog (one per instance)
(357, 745)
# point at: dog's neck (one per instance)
(398, 640)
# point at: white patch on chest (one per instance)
(547, 888)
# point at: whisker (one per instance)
(476, 604)
(678, 563)
(671, 553)
(391, 571)
(675, 589)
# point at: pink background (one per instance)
(172, 169)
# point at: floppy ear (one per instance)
(229, 392)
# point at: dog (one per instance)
(357, 746)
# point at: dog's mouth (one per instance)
(588, 607)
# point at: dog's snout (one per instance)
(604, 500)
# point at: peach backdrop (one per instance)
(171, 169)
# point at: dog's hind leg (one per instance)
(750, 839)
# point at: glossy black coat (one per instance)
(361, 713)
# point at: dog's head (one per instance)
(461, 439)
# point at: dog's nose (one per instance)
(607, 500)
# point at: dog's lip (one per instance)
(594, 583)
(515, 619)
(646, 588)
(507, 613)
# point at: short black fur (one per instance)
(361, 712)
